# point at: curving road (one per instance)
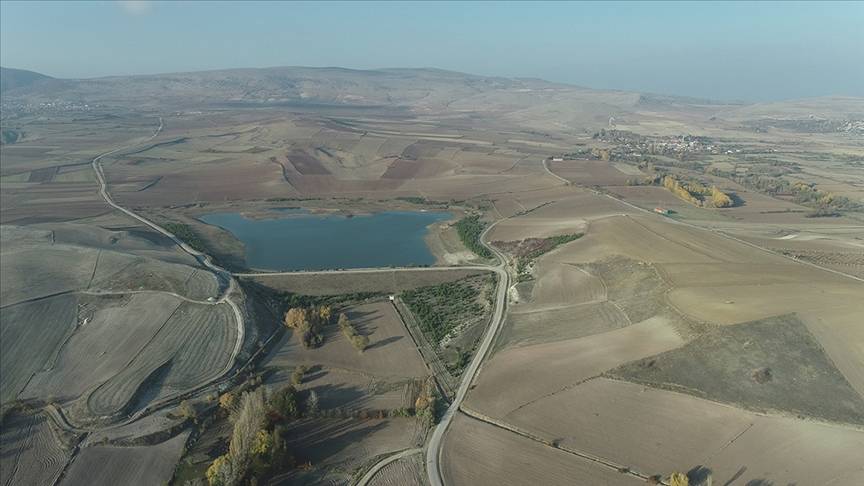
(222, 275)
(387, 460)
(433, 448)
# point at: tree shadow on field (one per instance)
(698, 475)
(313, 373)
(384, 342)
(737, 201)
(319, 439)
(362, 321)
(340, 396)
(735, 476)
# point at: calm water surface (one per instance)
(303, 241)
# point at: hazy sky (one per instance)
(734, 50)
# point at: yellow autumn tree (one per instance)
(297, 318)
(227, 401)
(218, 472)
(719, 198)
(324, 313)
(678, 479)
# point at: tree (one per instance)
(187, 410)
(263, 443)
(312, 403)
(324, 313)
(249, 418)
(297, 375)
(297, 318)
(227, 401)
(360, 342)
(220, 473)
(678, 479)
(284, 403)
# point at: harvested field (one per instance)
(113, 329)
(615, 420)
(654, 240)
(37, 270)
(351, 391)
(560, 285)
(772, 364)
(107, 465)
(590, 172)
(120, 272)
(193, 346)
(544, 326)
(529, 373)
(30, 335)
(338, 447)
(306, 164)
(385, 281)
(478, 453)
(408, 471)
(33, 271)
(391, 352)
(31, 452)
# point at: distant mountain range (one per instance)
(425, 90)
(11, 79)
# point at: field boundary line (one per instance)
(536, 438)
(377, 467)
(718, 232)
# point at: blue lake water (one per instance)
(298, 240)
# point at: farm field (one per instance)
(105, 465)
(32, 451)
(723, 340)
(390, 352)
(408, 471)
(477, 453)
(614, 420)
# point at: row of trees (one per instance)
(359, 341)
(258, 445)
(470, 228)
(696, 193)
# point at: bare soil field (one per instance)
(111, 329)
(108, 465)
(543, 326)
(615, 420)
(531, 372)
(391, 353)
(194, 345)
(408, 471)
(479, 453)
(38, 270)
(340, 447)
(30, 334)
(590, 172)
(384, 281)
(351, 391)
(31, 451)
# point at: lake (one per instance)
(299, 240)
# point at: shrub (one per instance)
(678, 479)
(297, 375)
(359, 341)
(470, 230)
